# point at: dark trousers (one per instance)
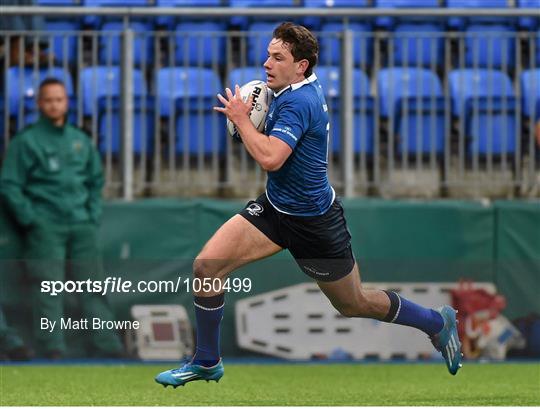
(52, 250)
(8, 337)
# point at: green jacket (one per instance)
(52, 174)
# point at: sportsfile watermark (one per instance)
(119, 285)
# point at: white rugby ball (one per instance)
(262, 97)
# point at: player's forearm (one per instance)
(257, 144)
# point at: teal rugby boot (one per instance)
(190, 372)
(447, 340)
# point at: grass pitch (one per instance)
(357, 384)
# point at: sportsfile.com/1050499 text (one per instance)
(119, 285)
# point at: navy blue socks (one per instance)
(405, 312)
(208, 313)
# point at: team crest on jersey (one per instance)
(77, 146)
(255, 209)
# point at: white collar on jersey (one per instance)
(297, 85)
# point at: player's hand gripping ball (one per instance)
(262, 97)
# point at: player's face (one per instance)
(281, 70)
(53, 102)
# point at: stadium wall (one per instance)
(403, 241)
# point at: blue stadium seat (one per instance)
(68, 20)
(204, 48)
(95, 21)
(64, 40)
(110, 124)
(59, 2)
(110, 51)
(168, 22)
(490, 46)
(242, 21)
(184, 85)
(363, 119)
(314, 23)
(100, 87)
(22, 87)
(387, 22)
(336, 3)
(330, 52)
(484, 100)
(412, 98)
(98, 81)
(2, 122)
(243, 75)
(189, 3)
(463, 4)
(529, 23)
(117, 3)
(188, 95)
(406, 3)
(259, 36)
(537, 46)
(418, 45)
(459, 23)
(262, 3)
(530, 89)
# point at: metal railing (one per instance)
(406, 117)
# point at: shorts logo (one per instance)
(314, 271)
(255, 209)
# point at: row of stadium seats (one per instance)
(488, 46)
(411, 99)
(313, 23)
(527, 23)
(295, 3)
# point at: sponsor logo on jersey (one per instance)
(287, 131)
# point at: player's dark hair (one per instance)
(49, 81)
(303, 44)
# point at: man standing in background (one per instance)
(51, 182)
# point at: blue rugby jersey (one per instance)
(298, 116)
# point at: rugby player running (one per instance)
(299, 211)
